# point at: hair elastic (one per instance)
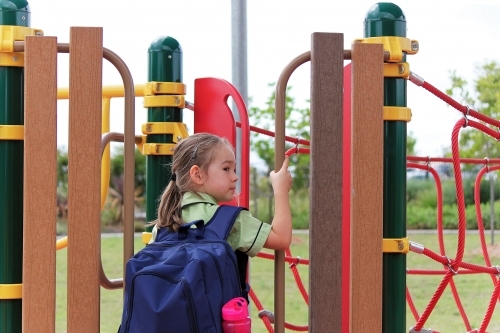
(173, 177)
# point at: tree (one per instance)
(116, 188)
(411, 141)
(297, 125)
(486, 100)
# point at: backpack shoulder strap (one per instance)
(223, 220)
(221, 224)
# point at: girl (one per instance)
(203, 175)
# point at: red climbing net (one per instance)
(452, 266)
(456, 266)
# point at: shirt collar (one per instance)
(195, 197)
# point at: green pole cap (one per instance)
(165, 60)
(15, 12)
(385, 19)
(165, 44)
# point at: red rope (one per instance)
(296, 275)
(450, 160)
(411, 304)
(462, 108)
(297, 141)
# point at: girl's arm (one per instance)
(280, 236)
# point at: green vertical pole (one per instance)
(165, 65)
(387, 19)
(12, 13)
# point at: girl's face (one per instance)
(220, 178)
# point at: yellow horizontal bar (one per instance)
(178, 130)
(394, 45)
(146, 237)
(11, 291)
(158, 149)
(164, 88)
(397, 113)
(62, 243)
(395, 69)
(11, 132)
(160, 101)
(396, 245)
(107, 91)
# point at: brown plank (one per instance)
(40, 166)
(367, 188)
(325, 237)
(84, 167)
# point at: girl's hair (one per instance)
(198, 149)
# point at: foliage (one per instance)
(486, 100)
(62, 184)
(411, 141)
(112, 214)
(419, 217)
(297, 125)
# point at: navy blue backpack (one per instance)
(180, 282)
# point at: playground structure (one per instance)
(347, 200)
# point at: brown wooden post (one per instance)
(40, 178)
(367, 187)
(325, 240)
(84, 179)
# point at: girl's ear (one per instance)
(197, 175)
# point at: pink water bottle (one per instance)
(235, 317)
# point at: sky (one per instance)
(453, 36)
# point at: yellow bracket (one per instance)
(164, 88)
(159, 101)
(8, 35)
(146, 237)
(394, 69)
(396, 245)
(178, 130)
(11, 291)
(394, 45)
(397, 113)
(158, 148)
(11, 132)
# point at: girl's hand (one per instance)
(282, 180)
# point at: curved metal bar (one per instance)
(129, 138)
(129, 163)
(279, 147)
(106, 139)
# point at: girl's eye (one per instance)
(226, 169)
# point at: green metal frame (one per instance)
(387, 19)
(17, 13)
(165, 65)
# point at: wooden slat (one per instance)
(325, 303)
(40, 167)
(367, 188)
(84, 194)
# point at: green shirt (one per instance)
(248, 233)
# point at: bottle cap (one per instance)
(235, 309)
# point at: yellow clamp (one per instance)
(158, 148)
(11, 291)
(8, 35)
(396, 245)
(160, 101)
(395, 69)
(394, 45)
(11, 132)
(397, 113)
(178, 130)
(146, 237)
(164, 88)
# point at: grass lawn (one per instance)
(474, 290)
